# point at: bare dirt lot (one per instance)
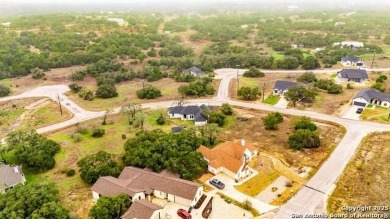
(275, 143)
(365, 181)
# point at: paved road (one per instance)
(311, 198)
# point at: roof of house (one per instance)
(349, 43)
(228, 154)
(133, 180)
(10, 175)
(350, 59)
(369, 94)
(190, 110)
(354, 73)
(141, 209)
(195, 70)
(284, 85)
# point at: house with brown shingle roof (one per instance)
(230, 157)
(143, 209)
(144, 183)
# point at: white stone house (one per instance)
(189, 113)
(371, 96)
(352, 75)
(281, 87)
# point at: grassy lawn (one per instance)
(272, 99)
(258, 183)
(366, 178)
(334, 75)
(277, 56)
(379, 114)
(249, 82)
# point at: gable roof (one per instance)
(350, 59)
(354, 73)
(191, 110)
(195, 70)
(369, 94)
(10, 175)
(141, 209)
(228, 155)
(133, 180)
(284, 85)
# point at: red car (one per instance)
(183, 214)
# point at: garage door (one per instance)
(356, 103)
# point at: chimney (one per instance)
(243, 142)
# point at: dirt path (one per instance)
(283, 169)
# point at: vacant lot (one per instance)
(378, 114)
(275, 143)
(365, 181)
(11, 112)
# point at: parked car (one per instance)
(359, 110)
(217, 183)
(183, 214)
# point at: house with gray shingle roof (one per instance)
(195, 71)
(353, 75)
(371, 96)
(142, 209)
(351, 61)
(189, 113)
(281, 87)
(10, 176)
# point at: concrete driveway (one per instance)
(282, 103)
(351, 113)
(231, 192)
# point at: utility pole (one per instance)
(238, 81)
(59, 102)
(263, 90)
(373, 58)
(143, 86)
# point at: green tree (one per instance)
(214, 117)
(4, 90)
(96, 165)
(139, 120)
(272, 120)
(209, 133)
(307, 78)
(149, 92)
(296, 94)
(304, 123)
(110, 207)
(248, 93)
(304, 138)
(310, 62)
(378, 86)
(130, 110)
(32, 201)
(37, 73)
(33, 150)
(253, 72)
(226, 109)
(106, 91)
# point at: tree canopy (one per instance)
(33, 150)
(110, 207)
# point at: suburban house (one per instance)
(281, 87)
(142, 209)
(10, 176)
(351, 61)
(195, 71)
(189, 113)
(351, 44)
(353, 75)
(144, 184)
(371, 96)
(230, 157)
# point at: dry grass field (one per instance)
(366, 179)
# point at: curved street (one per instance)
(311, 198)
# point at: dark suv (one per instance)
(217, 183)
(359, 110)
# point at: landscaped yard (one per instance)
(379, 114)
(272, 99)
(366, 179)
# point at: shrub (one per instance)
(304, 138)
(335, 89)
(307, 78)
(77, 137)
(86, 95)
(149, 92)
(106, 91)
(272, 120)
(378, 86)
(78, 76)
(70, 172)
(81, 129)
(4, 90)
(161, 120)
(123, 136)
(304, 123)
(349, 86)
(226, 109)
(37, 74)
(98, 132)
(201, 87)
(247, 205)
(253, 72)
(75, 88)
